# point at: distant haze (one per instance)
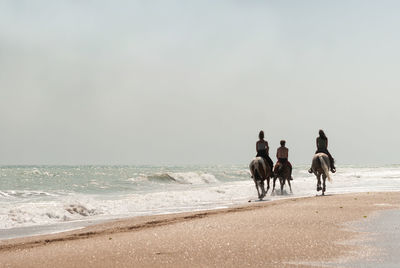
(193, 82)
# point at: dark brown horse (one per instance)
(260, 171)
(320, 167)
(282, 172)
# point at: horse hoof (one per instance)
(319, 188)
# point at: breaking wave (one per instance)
(32, 214)
(183, 178)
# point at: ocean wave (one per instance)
(38, 172)
(183, 178)
(24, 194)
(80, 210)
(41, 213)
(161, 177)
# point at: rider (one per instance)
(263, 149)
(322, 147)
(282, 153)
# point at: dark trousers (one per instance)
(263, 154)
(285, 161)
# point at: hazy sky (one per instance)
(193, 82)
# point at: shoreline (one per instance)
(149, 191)
(56, 228)
(290, 225)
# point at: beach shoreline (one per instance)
(280, 233)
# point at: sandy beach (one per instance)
(297, 232)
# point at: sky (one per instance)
(193, 82)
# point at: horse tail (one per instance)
(254, 170)
(325, 167)
(257, 170)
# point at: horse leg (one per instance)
(323, 186)
(282, 182)
(268, 178)
(319, 182)
(290, 185)
(262, 189)
(258, 191)
(273, 185)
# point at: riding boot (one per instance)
(271, 165)
(333, 169)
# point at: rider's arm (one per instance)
(257, 146)
(267, 147)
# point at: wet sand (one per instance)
(383, 240)
(295, 232)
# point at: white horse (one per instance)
(320, 167)
(260, 171)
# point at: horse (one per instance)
(320, 167)
(260, 171)
(282, 171)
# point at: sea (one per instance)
(48, 199)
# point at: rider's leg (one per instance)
(276, 168)
(290, 165)
(271, 164)
(291, 168)
(333, 169)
